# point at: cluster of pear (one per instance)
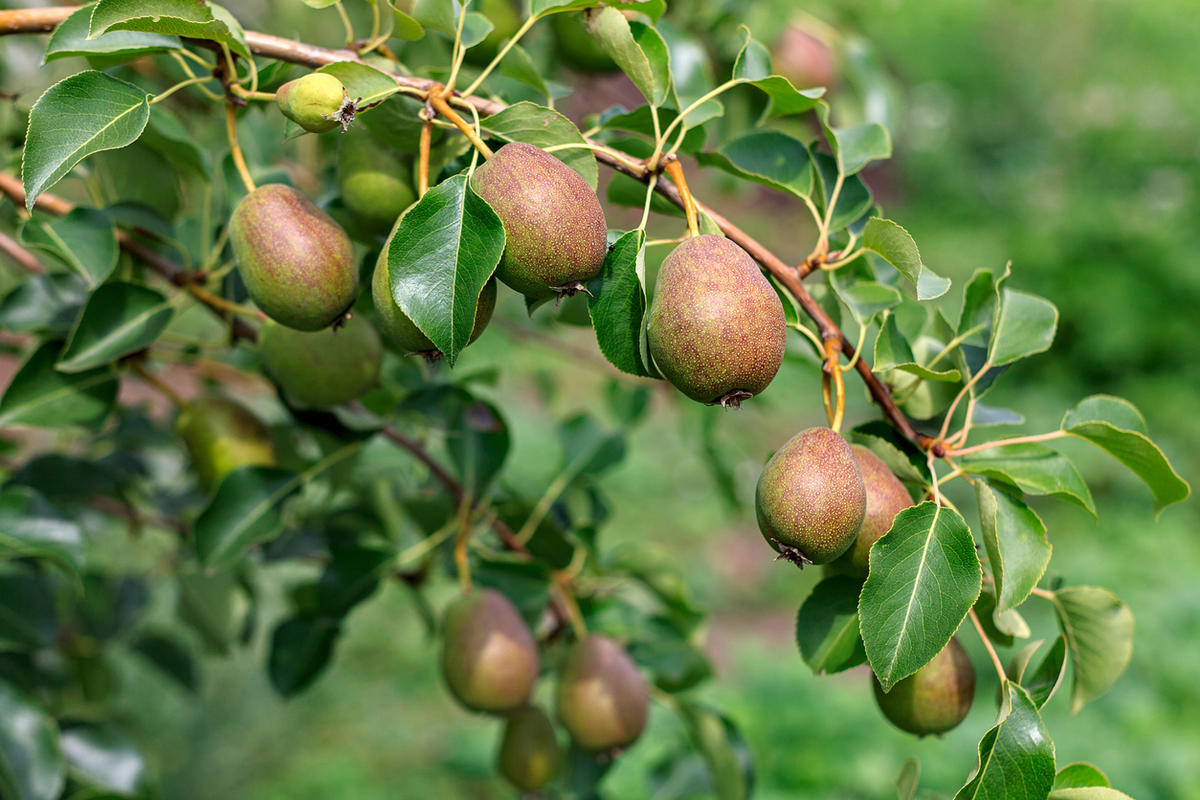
(821, 500)
(490, 664)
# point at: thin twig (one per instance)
(988, 644)
(1036, 437)
(674, 171)
(23, 258)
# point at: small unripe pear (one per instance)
(374, 181)
(529, 755)
(557, 236)
(810, 498)
(296, 262)
(715, 327)
(314, 101)
(886, 497)
(400, 332)
(322, 368)
(935, 698)
(222, 435)
(601, 696)
(489, 656)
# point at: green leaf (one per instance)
(1016, 757)
(405, 27)
(119, 319)
(853, 201)
(651, 8)
(753, 66)
(1015, 539)
(43, 304)
(613, 31)
(443, 252)
(1049, 675)
(84, 240)
(70, 38)
(31, 762)
(1025, 324)
(442, 16)
(896, 246)
(1116, 426)
(361, 80)
(827, 626)
(588, 448)
(188, 18)
(977, 314)
(83, 114)
(892, 351)
(104, 758)
(1099, 630)
(866, 299)
(717, 739)
(167, 135)
(519, 66)
(209, 602)
(899, 454)
(1088, 793)
(617, 305)
(769, 158)
(856, 146)
(32, 528)
(544, 127)
(170, 657)
(301, 647)
(924, 578)
(1034, 469)
(42, 396)
(1080, 775)
(908, 779)
(244, 512)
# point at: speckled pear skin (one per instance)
(399, 331)
(552, 218)
(312, 101)
(529, 756)
(934, 699)
(296, 262)
(222, 435)
(489, 656)
(886, 497)
(322, 368)
(811, 496)
(715, 325)
(375, 182)
(601, 696)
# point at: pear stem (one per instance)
(674, 171)
(437, 99)
(461, 560)
(152, 380)
(214, 301)
(423, 154)
(988, 644)
(833, 386)
(239, 160)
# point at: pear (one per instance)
(489, 656)
(529, 756)
(322, 368)
(222, 435)
(601, 696)
(557, 236)
(296, 262)
(811, 499)
(886, 497)
(715, 327)
(935, 698)
(314, 101)
(374, 180)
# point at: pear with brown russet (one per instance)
(886, 497)
(489, 656)
(601, 696)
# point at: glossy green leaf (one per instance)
(1016, 757)
(32, 528)
(1025, 324)
(119, 319)
(715, 737)
(70, 38)
(899, 454)
(866, 299)
(1116, 426)
(441, 16)
(84, 240)
(978, 311)
(856, 146)
(31, 761)
(46, 303)
(104, 758)
(853, 201)
(42, 396)
(187, 18)
(404, 26)
(908, 779)
(924, 578)
(1099, 630)
(80, 115)
(544, 127)
(361, 80)
(827, 626)
(588, 448)
(1080, 775)
(617, 305)
(301, 647)
(244, 512)
(651, 8)
(1015, 539)
(611, 28)
(896, 246)
(753, 66)
(767, 157)
(892, 351)
(443, 252)
(1045, 680)
(519, 66)
(1034, 469)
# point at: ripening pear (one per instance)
(557, 236)
(529, 756)
(374, 180)
(323, 368)
(935, 698)
(222, 435)
(811, 499)
(601, 696)
(489, 656)
(314, 101)
(400, 332)
(297, 263)
(886, 497)
(715, 327)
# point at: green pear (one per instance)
(322, 368)
(374, 180)
(935, 698)
(811, 499)
(222, 435)
(601, 696)
(886, 497)
(296, 262)
(489, 656)
(529, 756)
(314, 101)
(715, 327)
